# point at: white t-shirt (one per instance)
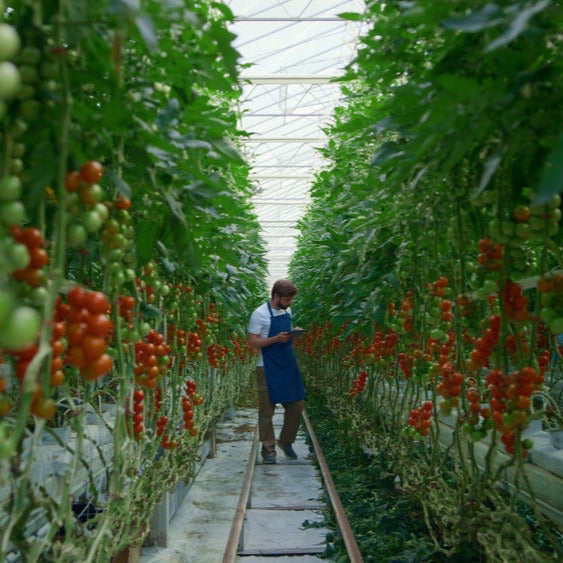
(260, 324)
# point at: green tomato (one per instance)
(76, 234)
(102, 210)
(38, 296)
(9, 41)
(10, 188)
(18, 256)
(21, 328)
(28, 74)
(554, 202)
(10, 80)
(30, 55)
(556, 325)
(92, 221)
(522, 230)
(12, 213)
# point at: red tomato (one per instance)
(96, 302)
(93, 347)
(73, 181)
(91, 171)
(99, 325)
(100, 366)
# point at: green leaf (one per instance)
(518, 25)
(351, 16)
(491, 164)
(225, 148)
(552, 181)
(386, 152)
(488, 16)
(146, 29)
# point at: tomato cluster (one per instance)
(89, 329)
(382, 346)
(216, 354)
(33, 274)
(359, 383)
(406, 312)
(190, 399)
(151, 359)
(514, 302)
(510, 401)
(450, 387)
(490, 255)
(194, 346)
(420, 419)
(406, 364)
(85, 202)
(138, 414)
(480, 355)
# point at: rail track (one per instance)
(275, 501)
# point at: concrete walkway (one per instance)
(283, 497)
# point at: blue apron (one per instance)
(283, 377)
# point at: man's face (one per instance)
(282, 302)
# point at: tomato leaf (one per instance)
(146, 29)
(351, 16)
(488, 16)
(517, 26)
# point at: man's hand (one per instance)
(285, 336)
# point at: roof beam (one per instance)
(284, 140)
(296, 20)
(288, 79)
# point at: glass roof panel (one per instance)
(294, 48)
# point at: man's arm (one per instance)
(256, 342)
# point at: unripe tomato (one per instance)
(10, 188)
(76, 234)
(20, 329)
(92, 221)
(12, 213)
(9, 41)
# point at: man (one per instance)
(279, 378)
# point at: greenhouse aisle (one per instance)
(200, 527)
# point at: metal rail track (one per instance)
(234, 544)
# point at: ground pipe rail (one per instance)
(238, 520)
(341, 518)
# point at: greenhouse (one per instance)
(281, 280)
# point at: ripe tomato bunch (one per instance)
(138, 414)
(406, 312)
(490, 255)
(514, 302)
(439, 288)
(151, 359)
(33, 274)
(359, 383)
(449, 387)
(480, 355)
(382, 346)
(194, 346)
(89, 329)
(165, 441)
(406, 364)
(217, 354)
(420, 419)
(510, 401)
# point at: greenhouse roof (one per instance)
(294, 49)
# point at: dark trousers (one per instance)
(291, 417)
